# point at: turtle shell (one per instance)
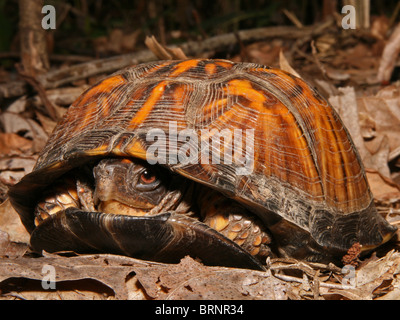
(295, 165)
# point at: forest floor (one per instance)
(350, 69)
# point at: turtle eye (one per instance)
(148, 176)
(148, 180)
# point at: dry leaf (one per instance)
(116, 42)
(192, 280)
(187, 280)
(358, 57)
(19, 105)
(380, 119)
(60, 97)
(15, 123)
(11, 223)
(337, 75)
(13, 144)
(389, 56)
(11, 249)
(379, 27)
(12, 169)
(380, 186)
(368, 279)
(93, 276)
(384, 109)
(264, 52)
(346, 105)
(47, 124)
(285, 65)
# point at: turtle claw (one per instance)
(165, 237)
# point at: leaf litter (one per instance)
(348, 77)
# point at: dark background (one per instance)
(81, 22)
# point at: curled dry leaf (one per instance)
(16, 159)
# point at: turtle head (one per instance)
(134, 187)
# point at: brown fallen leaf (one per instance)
(384, 110)
(11, 224)
(345, 104)
(131, 278)
(375, 118)
(366, 281)
(12, 169)
(263, 52)
(107, 275)
(11, 249)
(61, 97)
(379, 26)
(191, 280)
(134, 279)
(12, 143)
(381, 186)
(15, 123)
(117, 42)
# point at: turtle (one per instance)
(230, 163)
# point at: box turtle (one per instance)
(225, 162)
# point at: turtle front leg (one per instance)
(75, 191)
(236, 223)
(60, 196)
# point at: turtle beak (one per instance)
(104, 185)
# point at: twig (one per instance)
(321, 284)
(41, 91)
(393, 18)
(316, 60)
(292, 17)
(243, 51)
(163, 52)
(53, 57)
